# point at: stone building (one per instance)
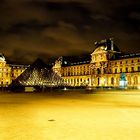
(106, 66)
(5, 72)
(9, 72)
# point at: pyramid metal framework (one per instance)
(38, 74)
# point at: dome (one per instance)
(2, 58)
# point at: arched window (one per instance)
(98, 81)
(129, 80)
(77, 80)
(135, 80)
(104, 71)
(98, 71)
(117, 81)
(112, 81)
(74, 81)
(71, 81)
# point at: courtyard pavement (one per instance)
(70, 115)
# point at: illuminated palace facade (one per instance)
(107, 66)
(9, 72)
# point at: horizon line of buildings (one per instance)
(106, 66)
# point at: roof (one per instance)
(75, 60)
(106, 45)
(126, 56)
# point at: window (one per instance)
(104, 71)
(126, 69)
(77, 80)
(132, 69)
(135, 80)
(74, 81)
(129, 80)
(117, 80)
(120, 69)
(112, 81)
(6, 83)
(98, 71)
(116, 70)
(139, 68)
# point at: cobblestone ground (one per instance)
(70, 115)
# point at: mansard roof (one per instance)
(126, 56)
(106, 45)
(75, 60)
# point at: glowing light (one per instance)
(123, 83)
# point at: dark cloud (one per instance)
(45, 28)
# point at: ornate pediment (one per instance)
(99, 57)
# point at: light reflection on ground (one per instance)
(70, 116)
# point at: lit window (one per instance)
(132, 69)
(135, 80)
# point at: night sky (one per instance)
(49, 28)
